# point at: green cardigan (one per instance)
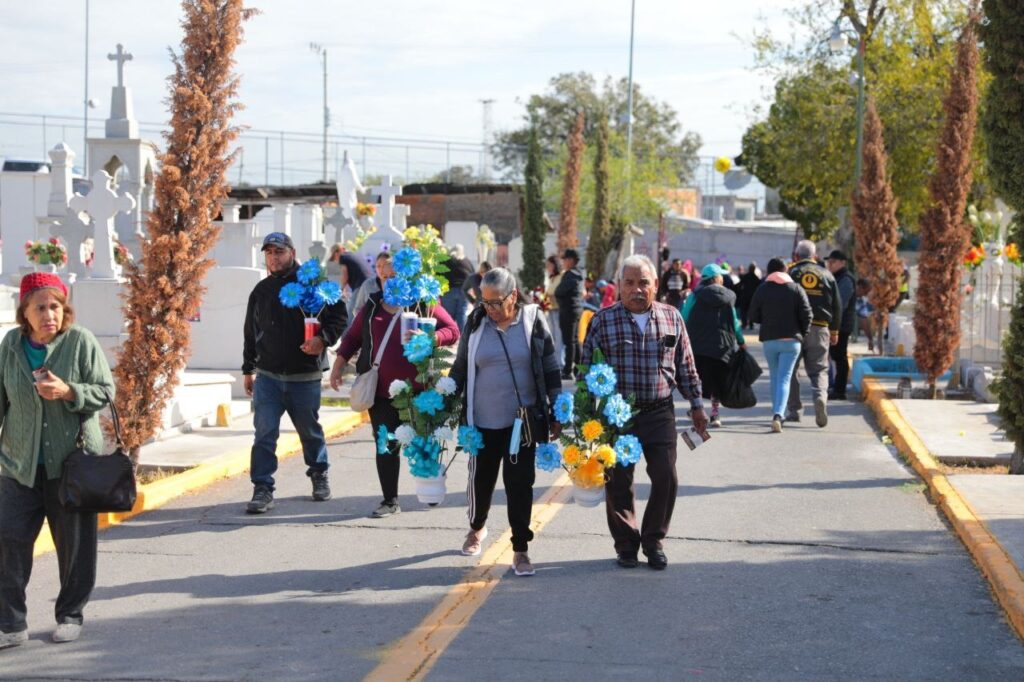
(30, 422)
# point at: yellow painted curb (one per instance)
(999, 569)
(412, 656)
(154, 495)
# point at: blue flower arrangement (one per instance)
(407, 263)
(548, 458)
(399, 293)
(470, 440)
(628, 450)
(312, 292)
(601, 380)
(419, 348)
(424, 455)
(564, 406)
(429, 402)
(428, 288)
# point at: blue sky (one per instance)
(405, 68)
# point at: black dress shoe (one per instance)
(627, 559)
(656, 559)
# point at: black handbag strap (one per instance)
(80, 443)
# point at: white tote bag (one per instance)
(364, 388)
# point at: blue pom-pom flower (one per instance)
(419, 348)
(383, 440)
(548, 458)
(407, 263)
(617, 411)
(601, 380)
(291, 295)
(628, 450)
(309, 272)
(428, 289)
(398, 292)
(429, 402)
(424, 455)
(470, 440)
(328, 293)
(565, 404)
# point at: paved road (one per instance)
(807, 555)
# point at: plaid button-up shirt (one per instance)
(649, 365)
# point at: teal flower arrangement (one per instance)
(312, 292)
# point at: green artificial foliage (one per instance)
(601, 225)
(1003, 119)
(532, 274)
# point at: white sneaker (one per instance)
(9, 639)
(67, 632)
(474, 541)
(521, 564)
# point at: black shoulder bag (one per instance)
(92, 482)
(535, 426)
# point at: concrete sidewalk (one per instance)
(985, 509)
(810, 554)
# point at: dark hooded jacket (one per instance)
(711, 324)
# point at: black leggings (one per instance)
(518, 479)
(382, 412)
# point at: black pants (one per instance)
(382, 412)
(569, 323)
(839, 356)
(656, 430)
(22, 511)
(518, 479)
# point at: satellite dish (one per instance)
(737, 179)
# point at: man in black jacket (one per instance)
(847, 285)
(569, 294)
(822, 292)
(282, 372)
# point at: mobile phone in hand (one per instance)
(40, 374)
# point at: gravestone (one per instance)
(60, 221)
(515, 255)
(464, 233)
(102, 204)
(387, 236)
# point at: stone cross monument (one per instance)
(102, 204)
(122, 123)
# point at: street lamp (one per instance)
(838, 40)
(322, 52)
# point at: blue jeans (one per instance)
(271, 398)
(782, 356)
(454, 303)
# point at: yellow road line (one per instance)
(412, 656)
(1002, 573)
(157, 494)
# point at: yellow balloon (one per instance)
(723, 164)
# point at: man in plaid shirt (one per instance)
(646, 344)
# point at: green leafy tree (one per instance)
(532, 273)
(656, 125)
(1003, 120)
(601, 221)
(910, 48)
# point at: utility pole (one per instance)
(629, 116)
(85, 102)
(322, 52)
(485, 155)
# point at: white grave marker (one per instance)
(102, 204)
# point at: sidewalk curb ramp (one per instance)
(158, 493)
(1003, 576)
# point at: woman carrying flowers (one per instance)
(506, 366)
(368, 331)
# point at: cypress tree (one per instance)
(945, 233)
(874, 221)
(567, 234)
(163, 291)
(601, 228)
(1003, 120)
(532, 274)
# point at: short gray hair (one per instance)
(500, 279)
(638, 261)
(805, 248)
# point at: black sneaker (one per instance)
(627, 559)
(262, 500)
(656, 559)
(321, 488)
(386, 509)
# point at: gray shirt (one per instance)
(494, 401)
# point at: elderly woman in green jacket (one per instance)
(53, 379)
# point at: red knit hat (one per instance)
(41, 280)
